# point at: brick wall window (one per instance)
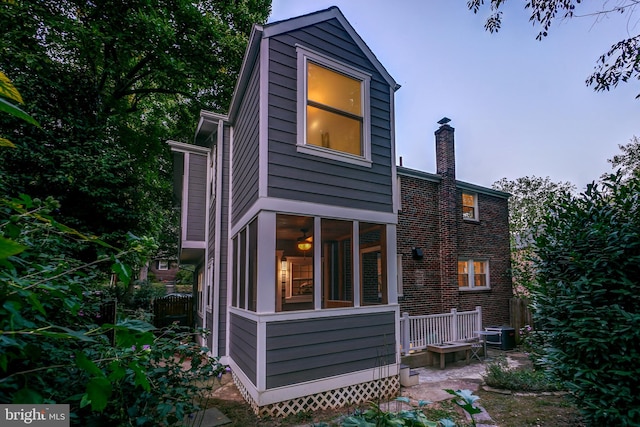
(473, 274)
(470, 206)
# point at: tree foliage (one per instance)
(621, 63)
(530, 201)
(109, 82)
(587, 300)
(55, 346)
(628, 162)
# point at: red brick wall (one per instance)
(164, 275)
(419, 225)
(488, 239)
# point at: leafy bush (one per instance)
(159, 383)
(375, 416)
(184, 276)
(499, 375)
(55, 346)
(144, 293)
(533, 343)
(588, 301)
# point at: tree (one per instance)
(530, 201)
(109, 82)
(587, 300)
(629, 161)
(56, 345)
(620, 63)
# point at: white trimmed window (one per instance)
(245, 267)
(473, 274)
(163, 264)
(333, 109)
(470, 206)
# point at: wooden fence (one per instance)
(520, 313)
(173, 308)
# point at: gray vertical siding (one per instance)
(243, 345)
(220, 259)
(245, 148)
(311, 349)
(215, 270)
(309, 178)
(224, 244)
(196, 200)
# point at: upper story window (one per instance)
(473, 274)
(470, 206)
(333, 109)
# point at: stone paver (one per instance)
(211, 417)
(456, 376)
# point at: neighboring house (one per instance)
(462, 233)
(164, 270)
(290, 214)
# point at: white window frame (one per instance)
(304, 55)
(209, 286)
(475, 206)
(471, 275)
(163, 264)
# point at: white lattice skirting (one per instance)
(377, 390)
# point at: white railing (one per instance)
(416, 332)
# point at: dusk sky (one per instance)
(520, 107)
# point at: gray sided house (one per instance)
(288, 211)
(299, 222)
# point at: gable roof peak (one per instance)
(333, 12)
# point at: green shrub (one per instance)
(144, 293)
(55, 346)
(499, 375)
(533, 343)
(588, 300)
(375, 416)
(184, 276)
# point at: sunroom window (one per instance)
(320, 257)
(337, 271)
(372, 261)
(294, 262)
(333, 105)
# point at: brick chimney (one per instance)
(448, 214)
(445, 152)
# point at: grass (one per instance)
(522, 411)
(505, 410)
(241, 415)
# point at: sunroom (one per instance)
(310, 313)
